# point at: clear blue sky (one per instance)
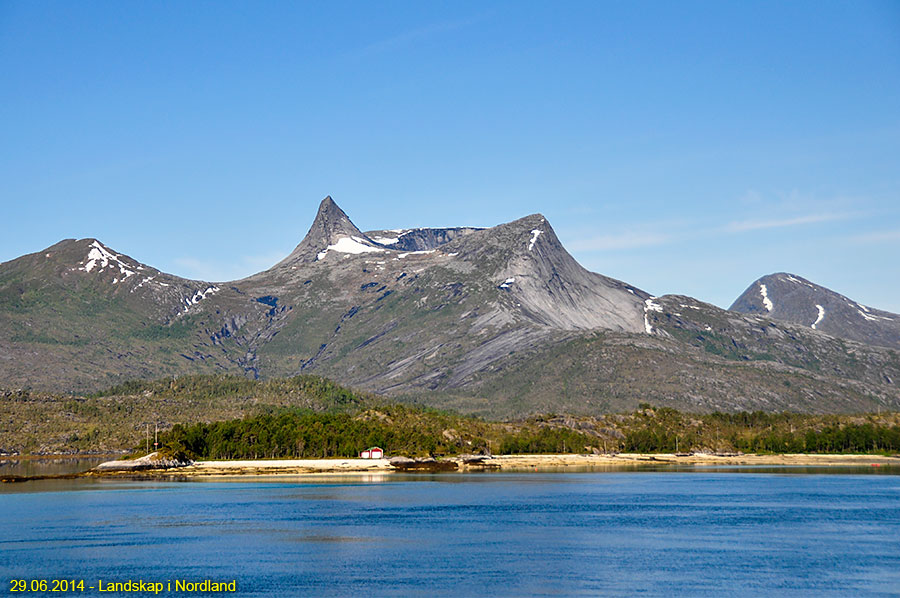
(684, 147)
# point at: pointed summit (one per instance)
(331, 223)
(791, 298)
(332, 229)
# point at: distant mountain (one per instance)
(791, 298)
(498, 321)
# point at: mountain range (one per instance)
(498, 321)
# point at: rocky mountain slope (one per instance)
(497, 321)
(78, 314)
(791, 298)
(697, 358)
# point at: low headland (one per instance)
(225, 425)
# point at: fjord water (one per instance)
(50, 466)
(609, 534)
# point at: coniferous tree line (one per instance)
(298, 434)
(411, 432)
(667, 430)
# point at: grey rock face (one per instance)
(542, 282)
(791, 298)
(419, 239)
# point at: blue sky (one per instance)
(684, 147)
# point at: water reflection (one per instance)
(36, 466)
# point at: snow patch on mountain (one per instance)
(143, 282)
(869, 316)
(353, 245)
(534, 235)
(821, 315)
(765, 297)
(386, 240)
(505, 284)
(100, 257)
(649, 305)
(200, 296)
(798, 281)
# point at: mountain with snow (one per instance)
(791, 298)
(498, 321)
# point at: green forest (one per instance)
(667, 430)
(398, 429)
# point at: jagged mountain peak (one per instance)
(792, 298)
(331, 229)
(331, 223)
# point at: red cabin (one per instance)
(372, 453)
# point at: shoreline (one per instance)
(509, 463)
(752, 459)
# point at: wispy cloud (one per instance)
(784, 211)
(621, 241)
(691, 231)
(215, 271)
(756, 224)
(413, 36)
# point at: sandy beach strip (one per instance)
(520, 462)
(511, 463)
(284, 467)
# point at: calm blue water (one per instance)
(592, 534)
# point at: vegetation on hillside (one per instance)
(399, 429)
(124, 416)
(667, 430)
(324, 392)
(228, 416)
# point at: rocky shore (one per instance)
(153, 461)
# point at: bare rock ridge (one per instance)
(419, 239)
(791, 298)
